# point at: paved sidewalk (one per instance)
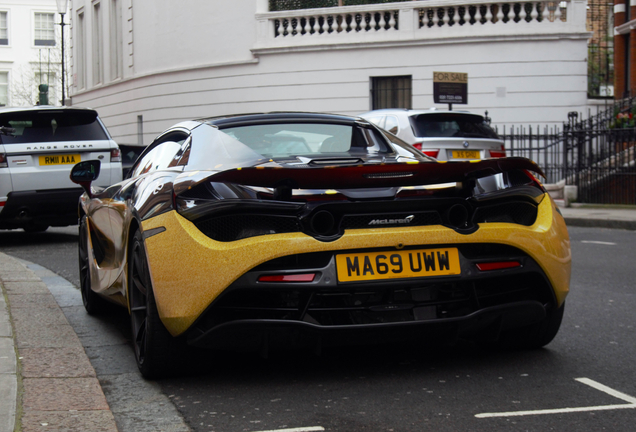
(587, 215)
(47, 382)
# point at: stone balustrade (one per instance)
(425, 20)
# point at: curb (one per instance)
(53, 384)
(600, 223)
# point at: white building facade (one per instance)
(30, 51)
(145, 65)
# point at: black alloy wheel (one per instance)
(157, 352)
(93, 303)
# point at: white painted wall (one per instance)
(21, 58)
(204, 58)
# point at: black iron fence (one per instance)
(598, 155)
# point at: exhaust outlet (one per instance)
(323, 223)
(457, 216)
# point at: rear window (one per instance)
(308, 139)
(52, 126)
(451, 125)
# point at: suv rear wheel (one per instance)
(35, 228)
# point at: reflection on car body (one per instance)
(283, 230)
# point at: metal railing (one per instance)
(598, 154)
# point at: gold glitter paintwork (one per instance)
(189, 270)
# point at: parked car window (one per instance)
(377, 120)
(451, 125)
(54, 126)
(391, 124)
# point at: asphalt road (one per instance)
(583, 380)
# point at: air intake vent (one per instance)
(237, 227)
(522, 213)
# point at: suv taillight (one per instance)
(498, 153)
(3, 161)
(115, 155)
(431, 153)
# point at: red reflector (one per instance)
(2, 203)
(309, 277)
(498, 265)
(431, 153)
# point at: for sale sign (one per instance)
(450, 87)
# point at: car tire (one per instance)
(31, 229)
(93, 303)
(535, 335)
(157, 352)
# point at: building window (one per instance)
(391, 92)
(116, 58)
(80, 77)
(4, 88)
(4, 29)
(97, 44)
(44, 29)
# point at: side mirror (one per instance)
(84, 173)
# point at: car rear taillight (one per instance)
(307, 277)
(431, 153)
(498, 153)
(499, 265)
(418, 146)
(3, 161)
(115, 155)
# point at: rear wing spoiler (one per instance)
(358, 176)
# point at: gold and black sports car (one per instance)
(295, 230)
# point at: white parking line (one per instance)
(587, 381)
(609, 391)
(300, 429)
(598, 242)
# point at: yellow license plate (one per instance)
(69, 159)
(397, 264)
(465, 154)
